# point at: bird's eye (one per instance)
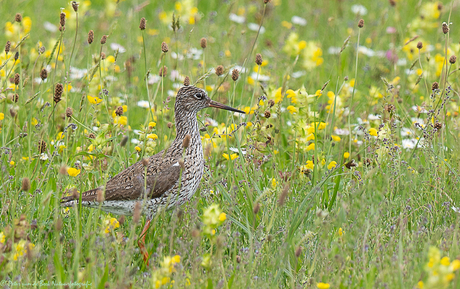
(199, 96)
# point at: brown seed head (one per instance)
(186, 81)
(163, 71)
(75, 6)
(61, 28)
(267, 114)
(137, 212)
(17, 79)
(256, 209)
(283, 195)
(298, 251)
(203, 43)
(59, 89)
(361, 23)
(182, 164)
(92, 136)
(121, 220)
(18, 17)
(420, 45)
(186, 141)
(169, 124)
(259, 59)
(445, 28)
(266, 1)
(164, 47)
(69, 112)
(238, 259)
(41, 146)
(145, 162)
(63, 171)
(13, 112)
(62, 19)
(104, 39)
(392, 3)
(142, 24)
(439, 6)
(100, 195)
(16, 56)
(438, 125)
(102, 55)
(25, 184)
(90, 36)
(15, 98)
(58, 224)
(271, 102)
(235, 74)
(350, 164)
(435, 86)
(453, 59)
(7, 47)
(219, 70)
(44, 74)
(119, 111)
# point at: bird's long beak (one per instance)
(216, 104)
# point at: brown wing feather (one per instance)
(162, 174)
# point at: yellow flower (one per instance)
(420, 284)
(278, 96)
(110, 225)
(311, 146)
(445, 261)
(292, 109)
(310, 165)
(94, 100)
(346, 155)
(248, 124)
(318, 93)
(2, 116)
(335, 138)
(340, 232)
(73, 172)
(12, 163)
(331, 165)
(232, 156)
(222, 217)
(274, 183)
(455, 265)
(137, 148)
(122, 120)
(373, 132)
(152, 124)
(34, 121)
(152, 136)
(2, 238)
(322, 285)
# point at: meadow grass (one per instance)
(344, 172)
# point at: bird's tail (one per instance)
(69, 201)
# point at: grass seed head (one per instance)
(235, 74)
(238, 259)
(75, 6)
(219, 70)
(100, 195)
(259, 59)
(186, 81)
(186, 141)
(90, 36)
(104, 39)
(41, 146)
(62, 19)
(58, 92)
(361, 23)
(124, 141)
(58, 224)
(142, 23)
(69, 112)
(283, 196)
(7, 47)
(445, 28)
(298, 251)
(17, 79)
(203, 43)
(256, 209)
(63, 170)
(119, 111)
(18, 17)
(25, 184)
(44, 74)
(164, 47)
(453, 59)
(163, 71)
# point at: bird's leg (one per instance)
(141, 242)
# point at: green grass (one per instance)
(290, 221)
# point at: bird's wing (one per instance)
(162, 174)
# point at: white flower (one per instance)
(153, 78)
(50, 27)
(409, 143)
(116, 46)
(235, 18)
(359, 9)
(299, 20)
(235, 150)
(406, 132)
(43, 157)
(194, 53)
(334, 50)
(143, 103)
(211, 122)
(260, 77)
(341, 131)
(366, 51)
(298, 74)
(373, 117)
(255, 27)
(419, 109)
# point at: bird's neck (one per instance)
(186, 123)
